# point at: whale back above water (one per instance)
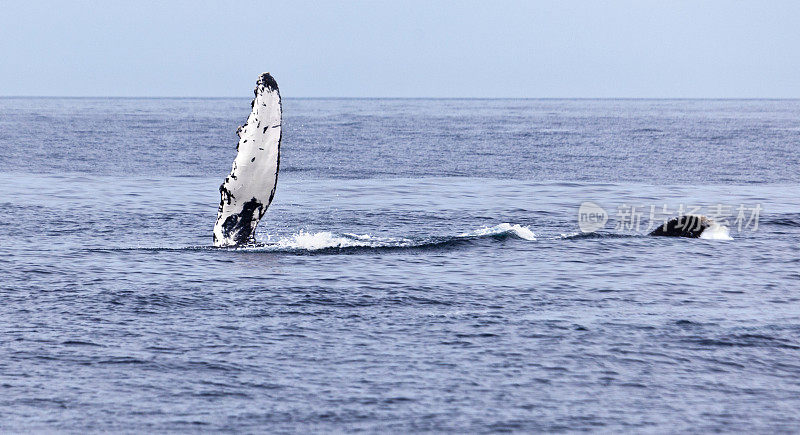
(250, 187)
(684, 226)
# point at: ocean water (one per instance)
(422, 268)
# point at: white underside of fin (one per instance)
(248, 190)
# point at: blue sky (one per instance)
(534, 49)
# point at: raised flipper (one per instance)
(248, 190)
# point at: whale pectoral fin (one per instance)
(250, 187)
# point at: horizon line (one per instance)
(387, 98)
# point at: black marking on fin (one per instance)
(268, 82)
(227, 196)
(239, 227)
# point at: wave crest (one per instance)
(520, 231)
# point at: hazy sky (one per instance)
(402, 48)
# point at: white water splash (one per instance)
(304, 240)
(716, 232)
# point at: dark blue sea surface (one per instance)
(420, 269)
